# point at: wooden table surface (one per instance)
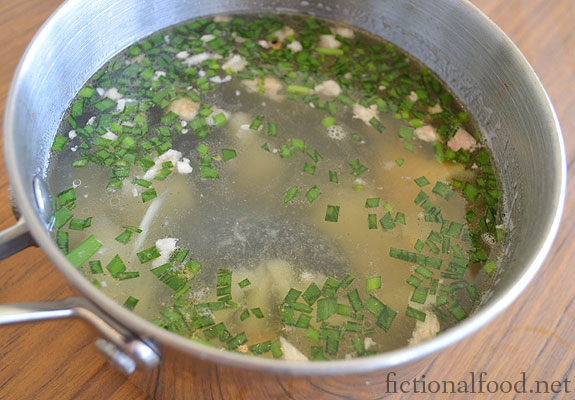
(57, 360)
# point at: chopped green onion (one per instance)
(373, 283)
(96, 267)
(372, 221)
(131, 303)
(148, 255)
(208, 172)
(291, 194)
(257, 123)
(328, 121)
(470, 192)
(312, 194)
(309, 168)
(59, 143)
(84, 251)
(116, 266)
(148, 195)
(257, 312)
(377, 124)
(314, 155)
(272, 129)
(228, 154)
(332, 213)
(244, 315)
(443, 190)
(415, 313)
(333, 177)
(421, 181)
(244, 283)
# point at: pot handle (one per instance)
(122, 348)
(15, 239)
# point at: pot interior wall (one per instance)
(463, 48)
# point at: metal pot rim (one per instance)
(162, 337)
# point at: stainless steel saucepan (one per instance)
(452, 37)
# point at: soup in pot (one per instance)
(278, 185)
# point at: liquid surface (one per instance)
(285, 187)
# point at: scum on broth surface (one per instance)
(241, 221)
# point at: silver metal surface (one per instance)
(15, 239)
(116, 356)
(454, 39)
(43, 200)
(144, 354)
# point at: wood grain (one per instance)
(57, 359)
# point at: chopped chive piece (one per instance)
(372, 221)
(419, 295)
(421, 181)
(377, 124)
(272, 129)
(346, 281)
(357, 167)
(421, 197)
(297, 89)
(244, 315)
(86, 92)
(458, 312)
(470, 192)
(355, 300)
(311, 294)
(142, 182)
(148, 255)
(116, 266)
(386, 222)
(332, 213)
(208, 172)
(415, 258)
(122, 276)
(415, 313)
(328, 121)
(285, 151)
(399, 161)
(329, 51)
(193, 267)
(456, 183)
(413, 281)
(80, 224)
(303, 321)
(419, 245)
(276, 349)
(61, 217)
(62, 241)
(330, 287)
(385, 318)
(314, 155)
(326, 307)
(443, 190)
(297, 144)
(291, 194)
(312, 194)
(124, 237)
(96, 267)
(105, 104)
(148, 195)
(405, 133)
(372, 202)
(257, 312)
(228, 154)
(490, 267)
(244, 283)
(372, 284)
(220, 120)
(309, 168)
(179, 255)
(333, 177)
(400, 218)
(203, 148)
(441, 300)
(59, 143)
(257, 123)
(130, 303)
(66, 196)
(84, 251)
